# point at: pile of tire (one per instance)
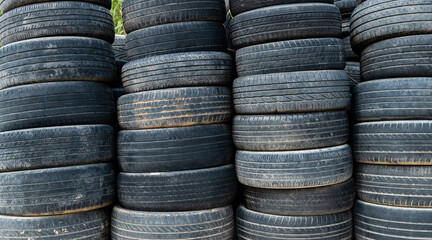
(392, 142)
(175, 148)
(291, 127)
(56, 144)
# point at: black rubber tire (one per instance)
(393, 142)
(87, 225)
(174, 107)
(55, 104)
(51, 19)
(398, 57)
(240, 6)
(294, 169)
(37, 148)
(377, 20)
(256, 225)
(7, 5)
(56, 59)
(301, 202)
(346, 6)
(290, 131)
(291, 56)
(353, 70)
(211, 224)
(53, 191)
(285, 22)
(350, 55)
(177, 190)
(394, 99)
(119, 47)
(401, 186)
(174, 149)
(373, 221)
(178, 70)
(295, 92)
(176, 38)
(138, 14)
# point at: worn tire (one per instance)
(256, 225)
(55, 104)
(119, 47)
(56, 59)
(377, 20)
(178, 70)
(285, 22)
(350, 55)
(346, 6)
(373, 221)
(393, 142)
(393, 99)
(210, 224)
(53, 191)
(401, 186)
(294, 92)
(174, 107)
(353, 70)
(240, 6)
(139, 14)
(177, 190)
(291, 56)
(91, 225)
(294, 169)
(290, 131)
(398, 57)
(7, 5)
(176, 38)
(174, 149)
(51, 19)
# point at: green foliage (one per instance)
(116, 13)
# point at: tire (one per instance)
(353, 70)
(377, 20)
(119, 47)
(401, 186)
(7, 5)
(240, 6)
(139, 14)
(292, 92)
(214, 224)
(55, 104)
(178, 70)
(285, 132)
(174, 107)
(398, 57)
(394, 99)
(346, 6)
(256, 225)
(176, 38)
(86, 225)
(285, 22)
(37, 148)
(350, 55)
(177, 190)
(51, 19)
(174, 149)
(373, 221)
(291, 56)
(54, 191)
(393, 142)
(56, 59)
(294, 169)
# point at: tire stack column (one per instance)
(56, 144)
(175, 146)
(392, 140)
(290, 126)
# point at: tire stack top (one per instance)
(175, 146)
(392, 139)
(56, 144)
(291, 127)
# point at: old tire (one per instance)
(7, 5)
(240, 6)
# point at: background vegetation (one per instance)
(117, 16)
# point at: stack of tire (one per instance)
(175, 146)
(392, 141)
(55, 106)
(291, 128)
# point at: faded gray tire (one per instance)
(240, 6)
(210, 224)
(7, 5)
(294, 169)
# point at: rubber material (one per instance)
(119, 47)
(240, 6)
(7, 5)
(353, 70)
(346, 6)
(350, 55)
